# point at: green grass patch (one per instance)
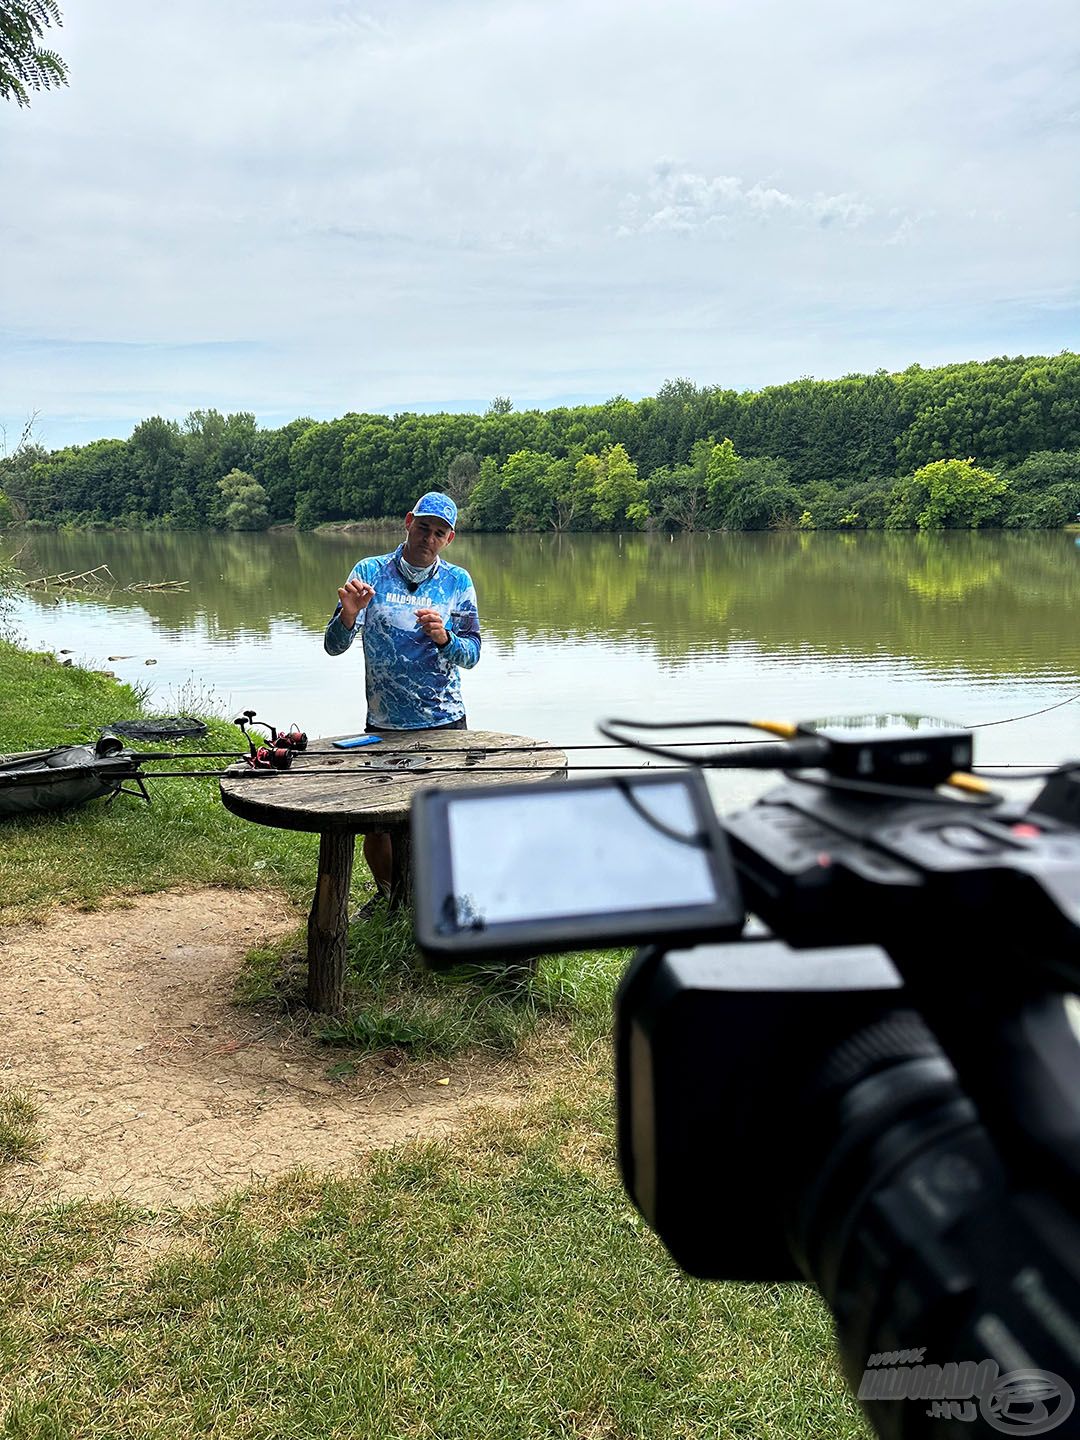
(496, 1284)
(394, 1002)
(19, 1136)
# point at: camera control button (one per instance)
(966, 837)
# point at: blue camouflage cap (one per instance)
(437, 504)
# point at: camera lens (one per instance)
(901, 1196)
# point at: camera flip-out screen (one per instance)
(522, 869)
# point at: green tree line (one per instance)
(990, 443)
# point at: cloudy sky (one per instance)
(304, 207)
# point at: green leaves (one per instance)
(24, 65)
(246, 502)
(948, 494)
(613, 479)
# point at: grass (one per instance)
(123, 846)
(395, 1002)
(19, 1136)
(498, 1283)
(494, 1285)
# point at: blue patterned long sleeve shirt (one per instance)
(411, 683)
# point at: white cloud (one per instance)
(305, 209)
(682, 201)
(839, 209)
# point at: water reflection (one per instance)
(975, 599)
(578, 625)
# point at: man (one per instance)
(419, 624)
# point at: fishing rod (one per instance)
(142, 755)
(597, 745)
(1012, 719)
(502, 749)
(285, 746)
(383, 772)
(804, 744)
(442, 750)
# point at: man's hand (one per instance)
(354, 596)
(431, 622)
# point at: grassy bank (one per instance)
(124, 846)
(106, 850)
(498, 1283)
(494, 1285)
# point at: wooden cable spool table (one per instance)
(340, 794)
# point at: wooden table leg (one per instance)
(401, 869)
(328, 923)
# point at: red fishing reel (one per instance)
(284, 744)
(270, 757)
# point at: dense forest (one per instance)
(991, 443)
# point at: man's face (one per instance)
(425, 536)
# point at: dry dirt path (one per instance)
(151, 1085)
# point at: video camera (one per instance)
(878, 1092)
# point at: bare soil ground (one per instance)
(152, 1085)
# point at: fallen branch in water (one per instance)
(97, 581)
(99, 578)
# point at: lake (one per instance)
(966, 628)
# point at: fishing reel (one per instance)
(270, 757)
(293, 739)
(284, 744)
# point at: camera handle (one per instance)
(974, 906)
